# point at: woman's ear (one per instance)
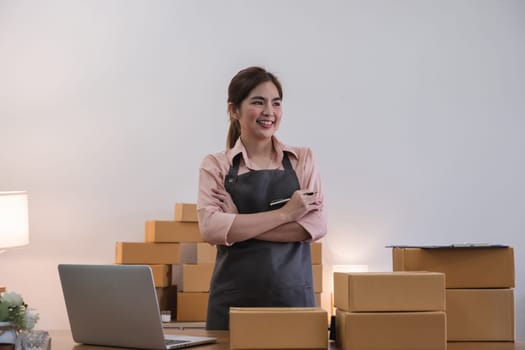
(233, 111)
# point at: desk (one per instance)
(61, 340)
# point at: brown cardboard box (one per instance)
(147, 253)
(481, 267)
(206, 253)
(317, 299)
(176, 275)
(167, 297)
(188, 253)
(316, 253)
(186, 212)
(317, 274)
(391, 330)
(278, 328)
(172, 231)
(196, 278)
(480, 314)
(161, 275)
(192, 306)
(389, 291)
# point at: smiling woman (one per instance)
(263, 249)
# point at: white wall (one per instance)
(414, 110)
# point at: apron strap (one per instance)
(234, 169)
(286, 162)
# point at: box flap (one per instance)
(453, 245)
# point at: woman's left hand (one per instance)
(301, 203)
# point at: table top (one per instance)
(62, 340)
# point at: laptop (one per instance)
(116, 305)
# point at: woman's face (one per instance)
(260, 113)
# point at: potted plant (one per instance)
(15, 317)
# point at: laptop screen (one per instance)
(115, 305)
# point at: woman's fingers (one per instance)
(301, 203)
(224, 201)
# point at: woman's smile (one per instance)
(265, 123)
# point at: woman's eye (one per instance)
(258, 103)
(277, 104)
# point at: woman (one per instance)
(263, 244)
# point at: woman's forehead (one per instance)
(266, 89)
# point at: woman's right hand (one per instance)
(301, 203)
(224, 201)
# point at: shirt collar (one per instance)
(280, 148)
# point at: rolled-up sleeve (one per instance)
(214, 223)
(315, 222)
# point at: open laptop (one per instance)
(116, 305)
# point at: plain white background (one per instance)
(414, 110)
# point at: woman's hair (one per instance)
(240, 87)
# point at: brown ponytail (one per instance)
(234, 132)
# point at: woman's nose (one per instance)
(267, 110)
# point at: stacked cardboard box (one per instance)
(390, 310)
(195, 284)
(278, 328)
(193, 277)
(168, 247)
(479, 287)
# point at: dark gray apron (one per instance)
(256, 273)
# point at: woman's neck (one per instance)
(259, 152)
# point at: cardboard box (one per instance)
(196, 278)
(480, 314)
(317, 299)
(316, 253)
(161, 275)
(391, 330)
(186, 212)
(192, 306)
(278, 328)
(167, 297)
(206, 253)
(188, 253)
(172, 231)
(477, 267)
(317, 275)
(389, 291)
(147, 253)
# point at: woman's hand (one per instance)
(301, 203)
(224, 201)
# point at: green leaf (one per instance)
(4, 312)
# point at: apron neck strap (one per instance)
(234, 169)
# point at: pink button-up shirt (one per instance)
(214, 223)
